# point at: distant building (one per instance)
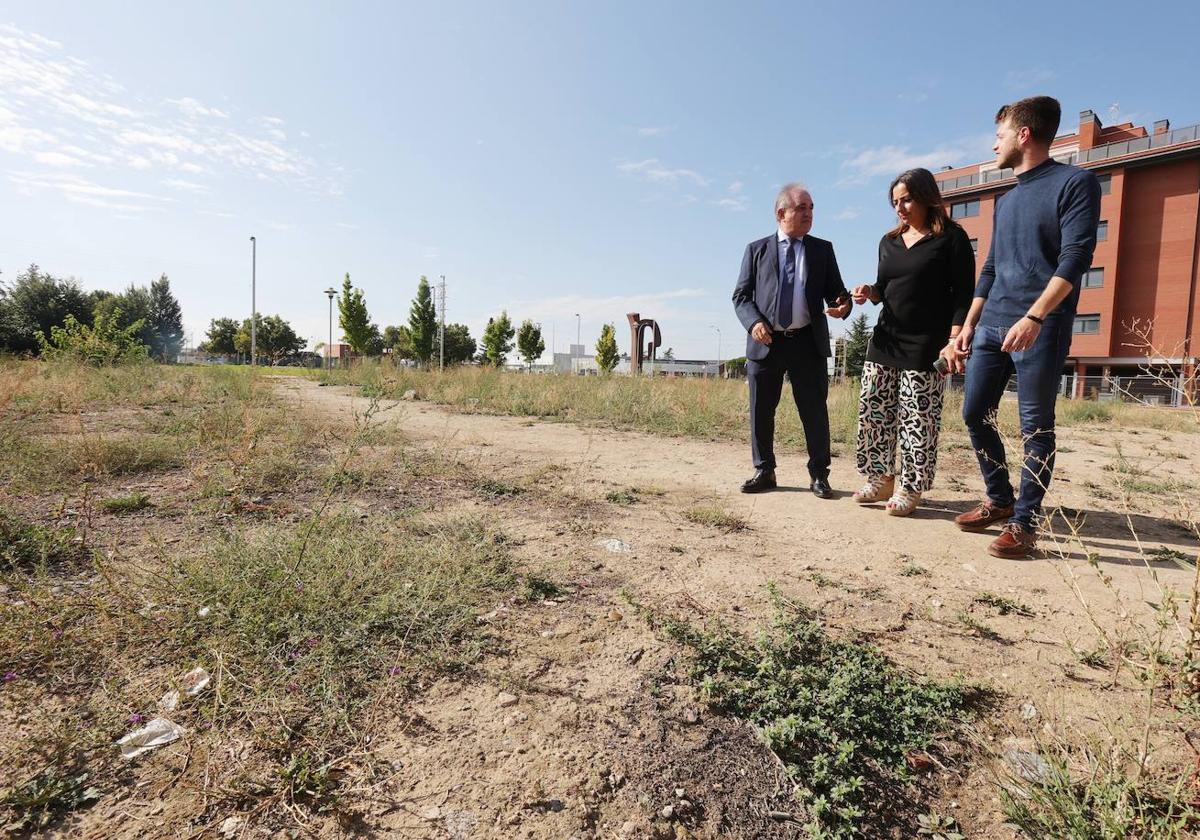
(1145, 268)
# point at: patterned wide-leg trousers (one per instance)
(905, 406)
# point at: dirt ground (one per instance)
(581, 669)
(580, 726)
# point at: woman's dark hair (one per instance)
(924, 191)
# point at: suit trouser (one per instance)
(808, 371)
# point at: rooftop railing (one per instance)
(1188, 134)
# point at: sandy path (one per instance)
(853, 564)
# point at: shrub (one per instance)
(105, 343)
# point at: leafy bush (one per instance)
(106, 343)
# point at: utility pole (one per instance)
(442, 324)
(578, 324)
(253, 302)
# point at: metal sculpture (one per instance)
(638, 351)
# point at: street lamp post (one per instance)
(253, 302)
(718, 329)
(330, 293)
(578, 324)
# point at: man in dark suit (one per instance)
(786, 280)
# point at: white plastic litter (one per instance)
(194, 681)
(203, 613)
(615, 546)
(169, 701)
(154, 734)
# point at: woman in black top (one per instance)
(925, 282)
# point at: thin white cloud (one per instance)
(652, 170)
(279, 226)
(737, 203)
(56, 159)
(50, 95)
(217, 213)
(81, 191)
(186, 186)
(889, 161)
(347, 226)
(653, 130)
(736, 187)
(192, 108)
(848, 214)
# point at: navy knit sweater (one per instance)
(1044, 227)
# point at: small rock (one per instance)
(410, 395)
(614, 616)
(679, 792)
(431, 813)
(668, 812)
(504, 699)
(230, 826)
(684, 806)
(779, 816)
(635, 655)
(1028, 711)
(967, 567)
(1028, 765)
(690, 715)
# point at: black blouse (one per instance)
(925, 290)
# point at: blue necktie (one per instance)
(787, 286)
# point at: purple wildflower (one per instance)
(394, 670)
(9, 676)
(136, 718)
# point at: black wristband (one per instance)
(1035, 319)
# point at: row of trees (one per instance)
(37, 303)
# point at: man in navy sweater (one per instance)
(1044, 233)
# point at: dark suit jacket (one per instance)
(756, 294)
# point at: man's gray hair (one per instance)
(787, 195)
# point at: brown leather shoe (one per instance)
(978, 518)
(1014, 543)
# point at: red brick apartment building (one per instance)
(1145, 267)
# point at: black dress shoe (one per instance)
(821, 489)
(762, 481)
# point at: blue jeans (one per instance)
(1038, 372)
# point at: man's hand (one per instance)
(761, 333)
(862, 294)
(1021, 336)
(840, 310)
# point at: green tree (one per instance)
(498, 339)
(399, 341)
(103, 343)
(276, 339)
(128, 307)
(606, 349)
(422, 323)
(35, 303)
(166, 321)
(857, 339)
(530, 344)
(222, 335)
(354, 319)
(460, 347)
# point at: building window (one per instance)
(1102, 231)
(1093, 278)
(1105, 184)
(964, 209)
(975, 247)
(1086, 325)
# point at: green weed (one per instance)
(838, 714)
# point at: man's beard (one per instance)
(1010, 160)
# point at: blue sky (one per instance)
(550, 158)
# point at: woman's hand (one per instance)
(962, 341)
(956, 361)
(862, 294)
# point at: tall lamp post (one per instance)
(330, 293)
(578, 324)
(253, 302)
